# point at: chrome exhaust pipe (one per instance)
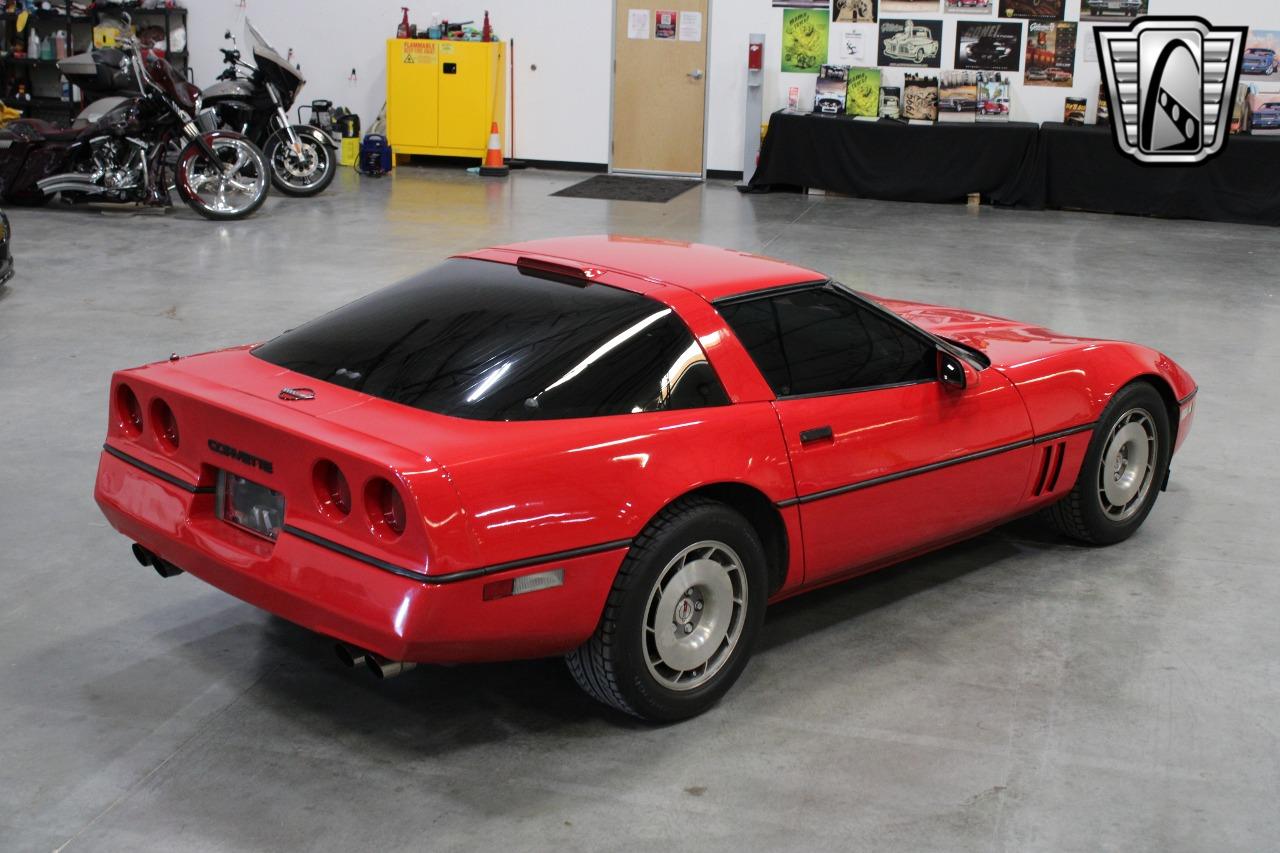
(351, 656)
(383, 668)
(70, 182)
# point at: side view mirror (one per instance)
(951, 371)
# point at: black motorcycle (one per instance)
(134, 148)
(303, 158)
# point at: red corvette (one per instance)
(619, 450)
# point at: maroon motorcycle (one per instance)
(135, 148)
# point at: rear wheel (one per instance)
(682, 617)
(1123, 471)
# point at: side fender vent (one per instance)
(1050, 468)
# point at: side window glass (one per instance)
(820, 341)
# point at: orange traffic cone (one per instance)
(493, 166)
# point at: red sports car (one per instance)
(619, 450)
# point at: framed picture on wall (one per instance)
(1262, 53)
(1055, 9)
(969, 7)
(989, 46)
(911, 43)
(1051, 53)
(854, 11)
(911, 7)
(1110, 10)
(804, 40)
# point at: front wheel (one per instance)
(1123, 470)
(232, 185)
(305, 169)
(682, 617)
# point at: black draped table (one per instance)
(895, 161)
(1083, 171)
(1017, 164)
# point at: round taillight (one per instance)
(332, 492)
(386, 508)
(128, 410)
(165, 424)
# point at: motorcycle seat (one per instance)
(36, 129)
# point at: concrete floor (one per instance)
(1014, 693)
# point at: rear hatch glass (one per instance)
(488, 341)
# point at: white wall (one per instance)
(562, 108)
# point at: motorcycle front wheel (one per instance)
(232, 186)
(302, 170)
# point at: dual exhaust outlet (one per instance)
(353, 656)
(163, 568)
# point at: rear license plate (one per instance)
(249, 505)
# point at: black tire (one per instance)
(328, 167)
(219, 140)
(1081, 514)
(613, 666)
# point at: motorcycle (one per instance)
(303, 158)
(118, 149)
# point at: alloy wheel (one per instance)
(1128, 464)
(695, 615)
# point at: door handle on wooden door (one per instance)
(696, 74)
(811, 436)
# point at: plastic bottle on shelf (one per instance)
(66, 90)
(60, 44)
(33, 45)
(434, 31)
(402, 31)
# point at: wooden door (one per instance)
(659, 86)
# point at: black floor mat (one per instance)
(625, 188)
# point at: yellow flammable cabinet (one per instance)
(443, 96)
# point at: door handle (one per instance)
(823, 433)
(696, 74)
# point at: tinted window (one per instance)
(819, 340)
(483, 340)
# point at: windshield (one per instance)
(488, 341)
(263, 51)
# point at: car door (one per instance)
(887, 459)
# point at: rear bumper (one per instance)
(333, 594)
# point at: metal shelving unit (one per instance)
(44, 82)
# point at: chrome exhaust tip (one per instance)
(383, 668)
(351, 656)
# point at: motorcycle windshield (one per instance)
(264, 52)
